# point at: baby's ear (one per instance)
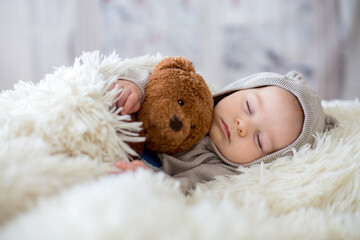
(296, 76)
(176, 62)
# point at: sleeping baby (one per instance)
(257, 119)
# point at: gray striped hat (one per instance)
(315, 119)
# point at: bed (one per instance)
(59, 142)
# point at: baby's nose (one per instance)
(242, 127)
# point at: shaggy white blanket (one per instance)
(58, 140)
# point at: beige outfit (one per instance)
(203, 162)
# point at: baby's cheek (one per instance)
(242, 152)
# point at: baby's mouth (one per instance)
(225, 129)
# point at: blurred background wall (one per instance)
(226, 39)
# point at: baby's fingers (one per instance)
(122, 165)
(132, 166)
(123, 97)
(131, 105)
(135, 108)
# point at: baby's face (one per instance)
(252, 123)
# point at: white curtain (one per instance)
(350, 19)
(40, 34)
(225, 39)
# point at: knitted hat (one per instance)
(315, 119)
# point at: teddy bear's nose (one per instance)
(175, 123)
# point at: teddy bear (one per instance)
(177, 108)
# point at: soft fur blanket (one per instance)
(59, 140)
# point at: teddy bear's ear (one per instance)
(176, 62)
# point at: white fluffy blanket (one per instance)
(58, 140)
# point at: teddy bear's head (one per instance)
(177, 108)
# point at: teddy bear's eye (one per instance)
(181, 102)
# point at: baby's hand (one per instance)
(131, 166)
(131, 96)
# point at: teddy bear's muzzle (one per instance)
(166, 134)
(175, 123)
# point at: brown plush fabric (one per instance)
(177, 108)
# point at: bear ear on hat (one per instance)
(176, 62)
(330, 122)
(296, 76)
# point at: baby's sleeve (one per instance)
(203, 173)
(138, 76)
